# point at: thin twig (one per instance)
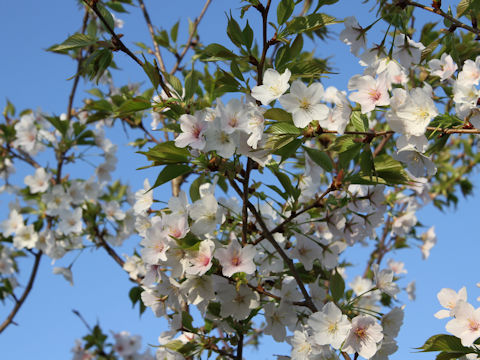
(25, 294)
(293, 215)
(382, 144)
(79, 66)
(246, 185)
(447, 16)
(158, 55)
(190, 37)
(268, 235)
(119, 45)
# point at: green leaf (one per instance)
(295, 47)
(234, 32)
(446, 343)
(174, 31)
(284, 10)
(278, 114)
(170, 172)
(166, 153)
(308, 23)
(248, 35)
(132, 106)
(463, 6)
(115, 6)
(175, 82)
(191, 84)
(320, 158)
(215, 52)
(187, 321)
(283, 128)
(337, 286)
(152, 73)
(106, 15)
(236, 71)
(390, 169)
(359, 121)
(73, 42)
(284, 180)
(194, 188)
(289, 149)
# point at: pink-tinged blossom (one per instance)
(470, 74)
(369, 92)
(449, 298)
(193, 130)
(112, 211)
(65, 272)
(25, 237)
(27, 135)
(397, 266)
(70, 221)
(417, 163)
(466, 324)
(330, 326)
(392, 322)
(353, 35)
(403, 224)
(219, 140)
(238, 303)
(201, 261)
(384, 281)
(277, 318)
(155, 244)
(207, 215)
(12, 224)
(235, 259)
(304, 103)
(144, 198)
(233, 115)
(126, 344)
(444, 67)
(338, 116)
(39, 181)
(274, 85)
(57, 200)
(363, 336)
(429, 240)
(406, 51)
(411, 290)
(301, 345)
(306, 251)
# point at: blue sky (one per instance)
(33, 78)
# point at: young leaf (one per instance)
(284, 10)
(320, 158)
(170, 172)
(73, 42)
(337, 286)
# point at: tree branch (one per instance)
(190, 37)
(118, 44)
(25, 294)
(440, 12)
(158, 56)
(268, 235)
(79, 65)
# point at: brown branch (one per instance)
(190, 37)
(293, 215)
(21, 156)
(266, 44)
(26, 292)
(382, 144)
(158, 56)
(246, 180)
(268, 235)
(79, 66)
(119, 45)
(445, 15)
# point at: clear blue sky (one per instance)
(33, 78)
